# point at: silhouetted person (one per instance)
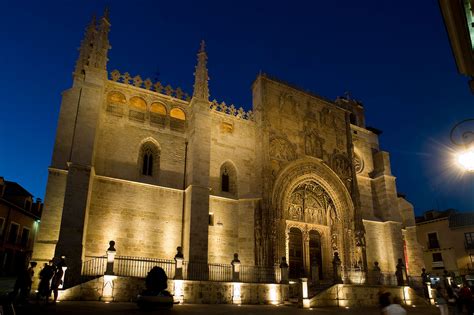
(156, 281)
(23, 283)
(45, 275)
(56, 281)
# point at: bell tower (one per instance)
(72, 167)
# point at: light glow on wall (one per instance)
(407, 295)
(179, 291)
(273, 294)
(108, 288)
(236, 291)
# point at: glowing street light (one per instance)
(465, 142)
(466, 160)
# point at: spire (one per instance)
(98, 58)
(201, 78)
(94, 45)
(87, 44)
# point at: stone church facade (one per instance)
(299, 176)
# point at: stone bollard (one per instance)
(284, 271)
(236, 268)
(304, 293)
(178, 266)
(336, 268)
(110, 258)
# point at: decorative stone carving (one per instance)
(314, 145)
(287, 102)
(341, 165)
(309, 202)
(334, 241)
(358, 163)
(281, 149)
(327, 118)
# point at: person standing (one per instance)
(57, 280)
(46, 274)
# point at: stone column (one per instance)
(306, 258)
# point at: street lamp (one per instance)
(464, 140)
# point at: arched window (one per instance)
(225, 180)
(147, 166)
(177, 119)
(137, 108)
(228, 178)
(115, 103)
(149, 159)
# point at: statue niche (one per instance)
(314, 145)
(310, 203)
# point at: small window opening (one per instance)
(225, 181)
(147, 164)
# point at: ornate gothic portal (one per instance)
(312, 206)
(315, 216)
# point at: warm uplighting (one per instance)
(466, 160)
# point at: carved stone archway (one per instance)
(335, 226)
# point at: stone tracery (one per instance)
(309, 202)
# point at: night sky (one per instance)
(393, 56)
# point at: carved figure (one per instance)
(313, 145)
(281, 149)
(336, 267)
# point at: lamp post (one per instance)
(462, 136)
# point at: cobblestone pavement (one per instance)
(76, 308)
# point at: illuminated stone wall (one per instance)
(290, 137)
(144, 220)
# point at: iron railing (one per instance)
(94, 265)
(139, 267)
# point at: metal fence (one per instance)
(128, 266)
(94, 265)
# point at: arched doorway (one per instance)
(296, 253)
(315, 255)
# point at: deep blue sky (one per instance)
(394, 56)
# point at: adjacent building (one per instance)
(146, 165)
(19, 220)
(447, 238)
(459, 21)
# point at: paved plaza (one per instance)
(73, 308)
